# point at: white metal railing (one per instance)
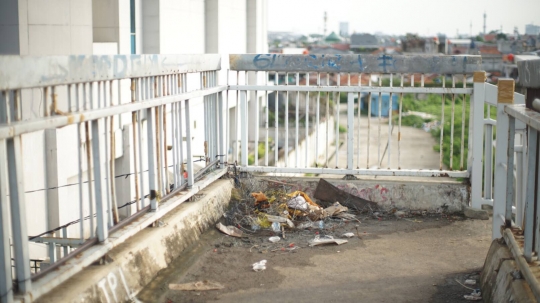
(485, 150)
(523, 238)
(113, 134)
(326, 76)
(119, 127)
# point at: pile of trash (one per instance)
(278, 210)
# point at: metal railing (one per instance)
(523, 238)
(113, 134)
(119, 127)
(321, 80)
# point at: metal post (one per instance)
(244, 130)
(350, 130)
(6, 284)
(189, 160)
(510, 172)
(101, 211)
(151, 165)
(476, 131)
(530, 201)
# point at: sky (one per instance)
(424, 17)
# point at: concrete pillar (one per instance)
(151, 27)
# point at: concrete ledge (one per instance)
(425, 195)
(135, 263)
(500, 279)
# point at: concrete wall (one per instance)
(133, 264)
(428, 195)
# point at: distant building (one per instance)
(531, 29)
(359, 41)
(344, 29)
(332, 38)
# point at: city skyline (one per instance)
(385, 16)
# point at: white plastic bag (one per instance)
(298, 202)
(259, 266)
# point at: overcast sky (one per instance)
(424, 17)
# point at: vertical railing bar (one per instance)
(65, 235)
(369, 123)
(379, 126)
(297, 125)
(529, 234)
(143, 96)
(6, 279)
(105, 163)
(17, 200)
(152, 187)
(189, 160)
(266, 123)
(390, 108)
(227, 124)
(317, 119)
(244, 128)
(399, 123)
(358, 123)
(79, 162)
(336, 114)
(287, 122)
(174, 139)
(442, 127)
(236, 118)
(134, 95)
(307, 124)
(89, 160)
(113, 157)
(157, 134)
(166, 162)
(181, 132)
(452, 125)
(102, 231)
(276, 122)
(463, 103)
(256, 101)
(327, 119)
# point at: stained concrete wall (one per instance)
(425, 195)
(135, 263)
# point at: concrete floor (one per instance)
(395, 261)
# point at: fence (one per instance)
(326, 76)
(119, 127)
(101, 141)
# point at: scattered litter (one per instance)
(274, 239)
(348, 235)
(328, 192)
(326, 240)
(259, 266)
(476, 295)
(200, 285)
(399, 214)
(298, 202)
(278, 219)
(470, 282)
(276, 227)
(229, 230)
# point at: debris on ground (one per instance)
(274, 239)
(229, 230)
(326, 240)
(470, 282)
(200, 285)
(474, 213)
(476, 295)
(259, 266)
(264, 211)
